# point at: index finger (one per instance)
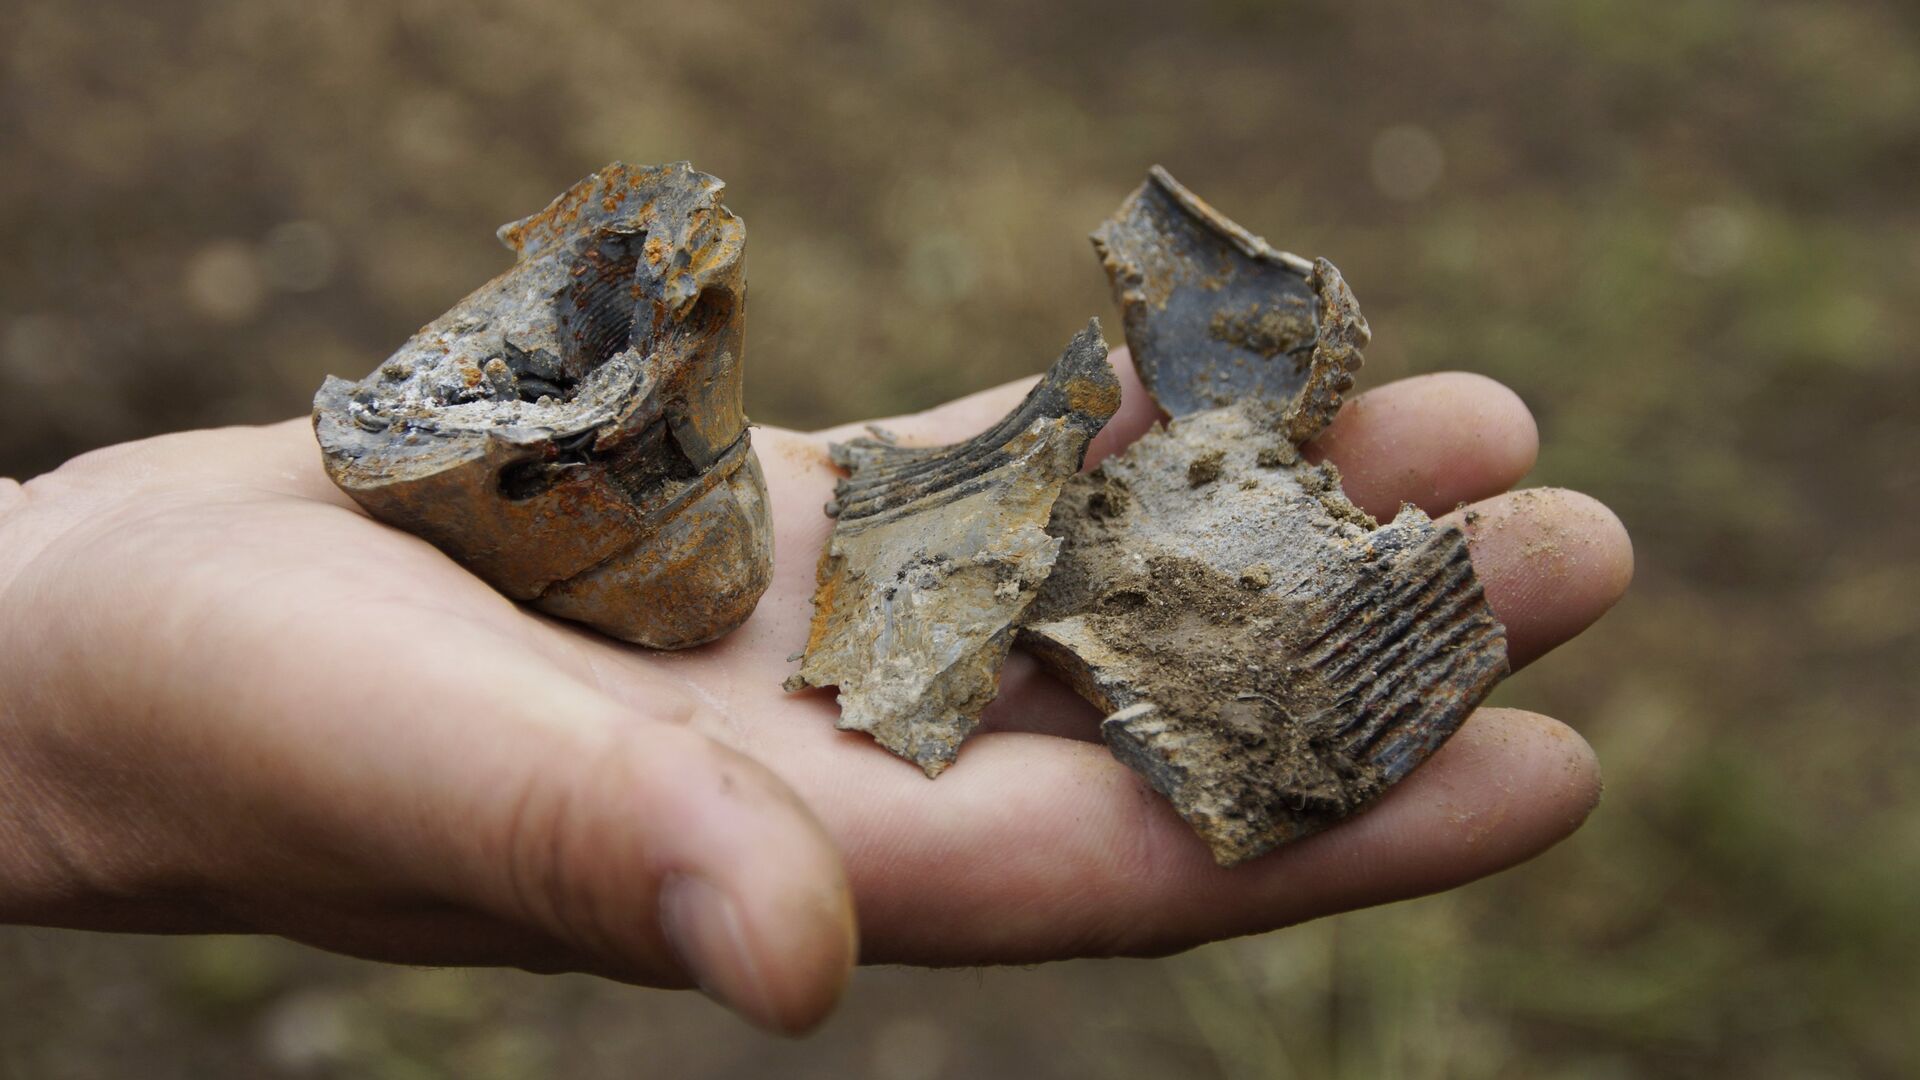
(1432, 440)
(963, 418)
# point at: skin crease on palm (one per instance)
(229, 701)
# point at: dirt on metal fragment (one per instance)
(1271, 659)
(935, 555)
(572, 432)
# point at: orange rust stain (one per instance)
(1095, 397)
(823, 604)
(804, 452)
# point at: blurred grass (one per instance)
(1684, 231)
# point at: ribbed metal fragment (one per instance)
(1271, 659)
(935, 554)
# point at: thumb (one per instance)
(654, 850)
(649, 851)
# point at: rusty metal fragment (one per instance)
(935, 554)
(572, 432)
(1271, 658)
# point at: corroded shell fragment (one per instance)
(1214, 315)
(572, 432)
(1271, 659)
(936, 553)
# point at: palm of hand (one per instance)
(321, 727)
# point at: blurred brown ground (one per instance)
(1686, 231)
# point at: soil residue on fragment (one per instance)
(1267, 332)
(1270, 658)
(1205, 469)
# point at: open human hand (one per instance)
(230, 701)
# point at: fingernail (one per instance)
(702, 927)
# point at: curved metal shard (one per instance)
(1271, 659)
(935, 554)
(1214, 314)
(572, 432)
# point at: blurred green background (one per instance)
(1686, 231)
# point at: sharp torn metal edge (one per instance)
(1214, 315)
(572, 432)
(1270, 658)
(935, 554)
